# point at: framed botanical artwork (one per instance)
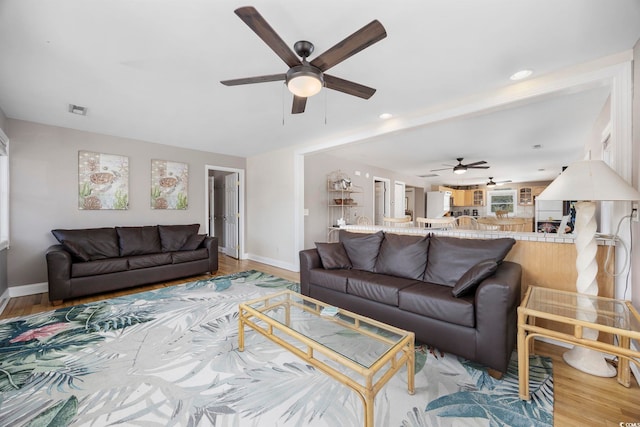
(169, 185)
(103, 181)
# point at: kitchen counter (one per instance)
(477, 234)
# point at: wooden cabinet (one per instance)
(477, 197)
(458, 198)
(525, 196)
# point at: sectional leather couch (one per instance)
(457, 295)
(94, 260)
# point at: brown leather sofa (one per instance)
(93, 260)
(410, 281)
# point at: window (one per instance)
(4, 190)
(502, 200)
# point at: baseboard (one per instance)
(32, 289)
(273, 262)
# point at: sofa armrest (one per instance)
(309, 259)
(497, 300)
(211, 243)
(58, 272)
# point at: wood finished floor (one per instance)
(580, 399)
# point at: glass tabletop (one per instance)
(602, 311)
(347, 334)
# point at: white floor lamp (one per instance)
(588, 181)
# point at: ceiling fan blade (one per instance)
(348, 87)
(299, 104)
(481, 162)
(261, 27)
(478, 167)
(366, 36)
(257, 79)
(436, 170)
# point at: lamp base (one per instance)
(589, 361)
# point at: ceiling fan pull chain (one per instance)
(325, 104)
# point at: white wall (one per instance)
(44, 189)
(316, 168)
(3, 253)
(271, 201)
(635, 259)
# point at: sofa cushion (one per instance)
(362, 248)
(377, 287)
(436, 302)
(330, 279)
(193, 242)
(333, 256)
(186, 256)
(100, 266)
(470, 280)
(138, 240)
(95, 243)
(174, 237)
(403, 256)
(149, 260)
(450, 257)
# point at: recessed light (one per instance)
(385, 116)
(522, 74)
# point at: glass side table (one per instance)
(581, 312)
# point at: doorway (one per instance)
(225, 209)
(381, 199)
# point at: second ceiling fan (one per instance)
(305, 79)
(461, 168)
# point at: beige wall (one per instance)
(44, 186)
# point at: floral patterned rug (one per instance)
(169, 357)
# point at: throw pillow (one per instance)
(471, 279)
(193, 242)
(76, 251)
(333, 256)
(403, 256)
(96, 243)
(450, 257)
(362, 249)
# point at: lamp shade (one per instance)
(589, 180)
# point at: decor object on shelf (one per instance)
(305, 79)
(103, 181)
(588, 181)
(169, 185)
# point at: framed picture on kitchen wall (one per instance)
(103, 181)
(169, 185)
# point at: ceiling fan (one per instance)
(305, 79)
(493, 183)
(461, 168)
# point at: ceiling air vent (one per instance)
(78, 109)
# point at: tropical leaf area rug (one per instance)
(169, 357)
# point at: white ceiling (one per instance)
(150, 70)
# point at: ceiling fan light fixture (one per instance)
(491, 184)
(304, 80)
(459, 169)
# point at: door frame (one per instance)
(387, 196)
(241, 203)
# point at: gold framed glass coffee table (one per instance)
(583, 313)
(333, 342)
